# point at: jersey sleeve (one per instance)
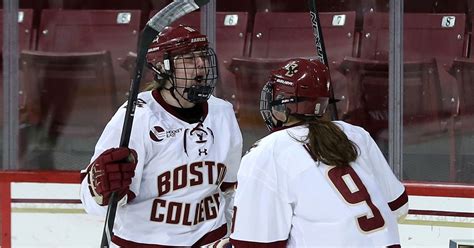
(235, 152)
(261, 214)
(111, 138)
(392, 189)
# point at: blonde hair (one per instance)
(155, 85)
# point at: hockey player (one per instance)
(313, 182)
(176, 178)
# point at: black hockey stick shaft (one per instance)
(156, 24)
(146, 37)
(321, 49)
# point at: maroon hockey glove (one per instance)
(112, 171)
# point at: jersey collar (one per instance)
(170, 109)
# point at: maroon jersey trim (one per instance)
(206, 239)
(399, 202)
(212, 236)
(157, 96)
(250, 244)
(278, 244)
(227, 185)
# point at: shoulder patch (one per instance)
(140, 103)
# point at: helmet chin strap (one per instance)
(172, 89)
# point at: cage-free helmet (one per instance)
(300, 87)
(184, 43)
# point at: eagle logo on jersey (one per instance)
(199, 135)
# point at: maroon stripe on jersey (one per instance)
(156, 94)
(249, 244)
(130, 244)
(227, 185)
(399, 202)
(394, 246)
(206, 239)
(212, 236)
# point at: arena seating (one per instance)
(26, 34)
(75, 72)
(83, 50)
(435, 6)
(90, 31)
(369, 97)
(75, 91)
(25, 28)
(274, 41)
(420, 30)
(463, 70)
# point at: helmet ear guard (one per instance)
(167, 63)
(161, 70)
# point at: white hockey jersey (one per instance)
(286, 198)
(180, 167)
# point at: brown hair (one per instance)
(328, 143)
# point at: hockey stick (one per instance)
(156, 24)
(321, 49)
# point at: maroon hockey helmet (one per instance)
(174, 41)
(186, 43)
(300, 87)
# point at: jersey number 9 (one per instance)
(353, 191)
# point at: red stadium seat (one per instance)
(25, 39)
(231, 33)
(358, 6)
(237, 6)
(463, 70)
(75, 91)
(274, 41)
(420, 32)
(435, 6)
(426, 36)
(25, 28)
(369, 95)
(26, 34)
(91, 31)
(472, 43)
(251, 74)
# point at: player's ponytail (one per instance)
(329, 144)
